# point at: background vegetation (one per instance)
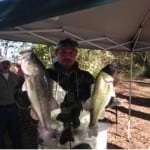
(90, 60)
(94, 60)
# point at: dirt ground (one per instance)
(133, 134)
(119, 136)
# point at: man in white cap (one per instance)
(9, 112)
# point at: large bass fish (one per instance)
(101, 95)
(38, 90)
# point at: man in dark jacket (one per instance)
(9, 112)
(76, 82)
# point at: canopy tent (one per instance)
(122, 25)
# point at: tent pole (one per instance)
(118, 45)
(130, 96)
(136, 37)
(36, 35)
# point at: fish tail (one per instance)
(46, 134)
(93, 119)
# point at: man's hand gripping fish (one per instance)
(38, 89)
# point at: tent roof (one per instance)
(120, 26)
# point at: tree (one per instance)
(143, 60)
(90, 60)
(94, 60)
(45, 53)
(11, 49)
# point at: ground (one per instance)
(137, 136)
(119, 136)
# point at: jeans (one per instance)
(10, 122)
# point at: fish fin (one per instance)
(53, 104)
(24, 88)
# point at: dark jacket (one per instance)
(76, 82)
(8, 88)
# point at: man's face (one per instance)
(66, 57)
(5, 65)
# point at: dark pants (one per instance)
(10, 122)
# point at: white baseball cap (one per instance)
(3, 59)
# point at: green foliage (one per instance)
(143, 60)
(45, 53)
(93, 60)
(90, 60)
(141, 64)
